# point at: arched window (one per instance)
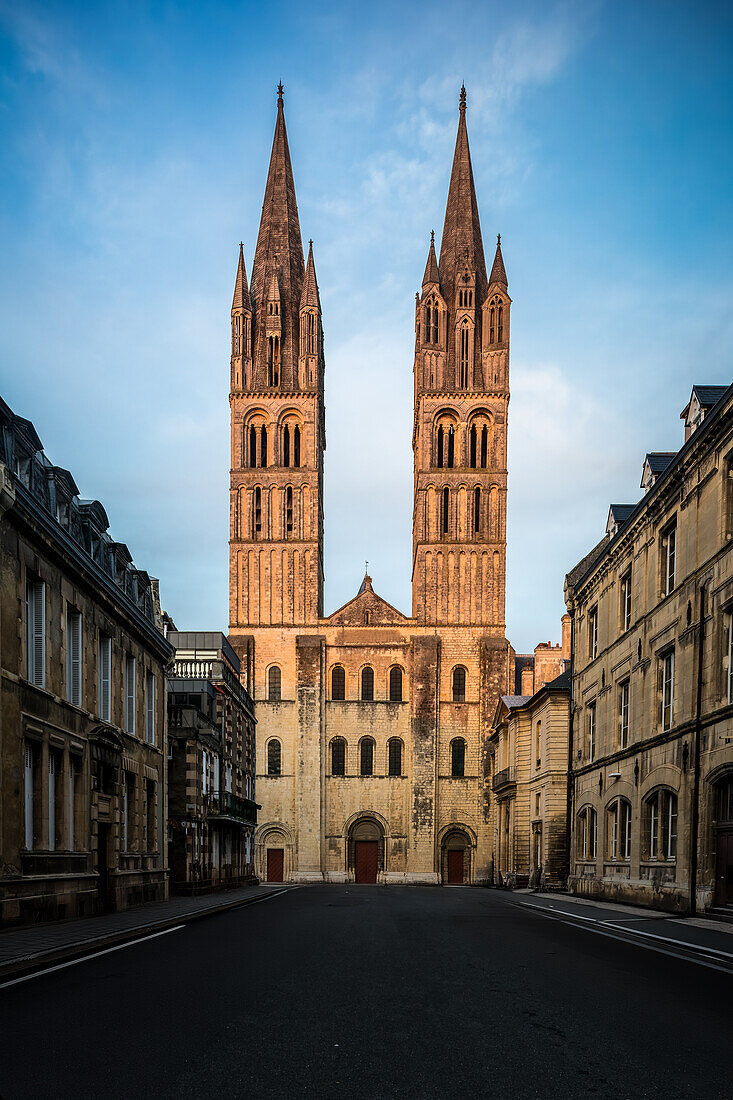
(394, 750)
(500, 324)
(428, 323)
(253, 446)
(484, 447)
(444, 508)
(286, 446)
(367, 684)
(366, 756)
(338, 756)
(473, 447)
(395, 684)
(457, 758)
(464, 354)
(440, 447)
(477, 509)
(296, 446)
(492, 324)
(257, 512)
(263, 446)
(660, 826)
(274, 684)
(274, 758)
(618, 829)
(459, 684)
(451, 447)
(338, 682)
(587, 843)
(288, 511)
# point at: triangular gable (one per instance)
(367, 609)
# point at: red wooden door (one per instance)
(455, 866)
(275, 864)
(724, 869)
(365, 860)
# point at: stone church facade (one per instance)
(373, 725)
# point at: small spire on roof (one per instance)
(462, 101)
(432, 273)
(280, 92)
(498, 271)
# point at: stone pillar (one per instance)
(310, 763)
(493, 682)
(424, 715)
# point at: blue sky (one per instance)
(134, 141)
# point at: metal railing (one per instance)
(229, 805)
(503, 779)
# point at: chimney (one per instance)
(566, 627)
(527, 681)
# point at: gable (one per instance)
(367, 609)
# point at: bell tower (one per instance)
(277, 419)
(460, 418)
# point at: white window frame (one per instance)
(624, 695)
(130, 677)
(105, 677)
(73, 655)
(668, 690)
(669, 558)
(591, 731)
(150, 708)
(593, 633)
(35, 605)
(626, 601)
(729, 674)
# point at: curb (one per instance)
(28, 964)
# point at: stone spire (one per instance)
(461, 243)
(279, 253)
(498, 271)
(241, 290)
(310, 295)
(432, 274)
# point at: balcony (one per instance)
(229, 807)
(503, 780)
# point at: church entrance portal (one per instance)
(366, 850)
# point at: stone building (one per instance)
(212, 811)
(372, 724)
(82, 700)
(652, 692)
(528, 749)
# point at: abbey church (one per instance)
(373, 724)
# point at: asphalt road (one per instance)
(372, 992)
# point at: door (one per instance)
(275, 864)
(103, 865)
(455, 867)
(724, 868)
(365, 860)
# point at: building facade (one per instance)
(372, 724)
(82, 700)
(652, 692)
(212, 811)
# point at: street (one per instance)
(361, 991)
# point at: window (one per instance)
(444, 510)
(288, 511)
(31, 760)
(367, 684)
(465, 338)
(274, 758)
(538, 744)
(129, 693)
(446, 446)
(484, 447)
(129, 812)
(253, 446)
(257, 512)
(53, 769)
(105, 677)
(263, 446)
(623, 713)
(286, 446)
(71, 800)
(669, 555)
(626, 600)
(274, 684)
(477, 509)
(73, 656)
(395, 685)
(35, 609)
(667, 670)
(338, 756)
(296, 446)
(394, 749)
(459, 684)
(593, 633)
(151, 833)
(587, 833)
(619, 829)
(458, 758)
(150, 708)
(591, 731)
(500, 323)
(472, 447)
(338, 682)
(660, 826)
(273, 360)
(729, 670)
(366, 757)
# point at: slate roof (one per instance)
(586, 563)
(659, 460)
(707, 396)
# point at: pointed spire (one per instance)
(280, 248)
(310, 295)
(461, 242)
(432, 274)
(241, 290)
(498, 271)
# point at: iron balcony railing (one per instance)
(231, 806)
(503, 779)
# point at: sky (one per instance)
(134, 144)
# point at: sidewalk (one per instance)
(23, 950)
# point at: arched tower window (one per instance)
(500, 324)
(274, 758)
(338, 756)
(394, 752)
(273, 359)
(338, 682)
(288, 511)
(274, 684)
(484, 447)
(257, 512)
(477, 509)
(440, 446)
(492, 323)
(263, 446)
(367, 684)
(472, 447)
(366, 756)
(444, 510)
(296, 446)
(395, 684)
(465, 337)
(445, 445)
(459, 684)
(458, 758)
(451, 447)
(286, 446)
(253, 446)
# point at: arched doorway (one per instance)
(723, 816)
(366, 850)
(456, 857)
(273, 853)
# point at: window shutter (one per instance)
(150, 709)
(28, 797)
(105, 660)
(73, 641)
(35, 617)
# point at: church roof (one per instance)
(279, 250)
(241, 290)
(461, 241)
(310, 295)
(366, 608)
(432, 275)
(498, 271)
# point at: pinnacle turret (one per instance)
(241, 290)
(498, 271)
(432, 273)
(310, 295)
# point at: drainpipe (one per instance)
(569, 806)
(695, 822)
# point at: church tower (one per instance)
(460, 418)
(277, 418)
